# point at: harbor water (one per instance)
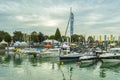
(26, 67)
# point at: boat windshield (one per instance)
(114, 51)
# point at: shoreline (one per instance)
(3, 50)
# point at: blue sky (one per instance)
(92, 17)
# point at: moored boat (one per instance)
(48, 53)
(70, 56)
(84, 59)
(112, 56)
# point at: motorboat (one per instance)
(70, 56)
(55, 50)
(46, 53)
(66, 54)
(29, 50)
(89, 56)
(112, 56)
(88, 59)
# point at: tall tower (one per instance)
(71, 22)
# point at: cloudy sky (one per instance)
(91, 16)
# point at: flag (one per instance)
(100, 39)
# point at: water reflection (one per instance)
(111, 66)
(4, 58)
(17, 59)
(102, 73)
(34, 68)
(98, 70)
(87, 65)
(69, 73)
(33, 61)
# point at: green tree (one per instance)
(74, 38)
(1, 35)
(17, 36)
(90, 39)
(81, 38)
(64, 38)
(5, 35)
(46, 37)
(52, 37)
(58, 35)
(41, 37)
(78, 38)
(34, 36)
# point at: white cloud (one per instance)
(21, 18)
(91, 16)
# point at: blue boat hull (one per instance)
(65, 58)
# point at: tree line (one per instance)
(39, 37)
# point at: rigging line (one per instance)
(67, 26)
(63, 75)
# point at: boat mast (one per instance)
(67, 26)
(71, 22)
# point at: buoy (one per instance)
(78, 62)
(62, 62)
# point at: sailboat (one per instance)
(66, 53)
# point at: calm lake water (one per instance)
(28, 68)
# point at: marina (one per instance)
(59, 40)
(24, 67)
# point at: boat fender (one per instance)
(78, 62)
(62, 63)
